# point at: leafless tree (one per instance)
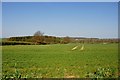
(38, 37)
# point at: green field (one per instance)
(59, 61)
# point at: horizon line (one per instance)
(67, 36)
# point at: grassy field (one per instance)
(59, 61)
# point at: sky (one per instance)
(0, 20)
(60, 0)
(74, 19)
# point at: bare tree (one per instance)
(66, 39)
(38, 37)
(38, 33)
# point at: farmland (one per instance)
(59, 61)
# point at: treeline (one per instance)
(38, 38)
(15, 43)
(35, 40)
(42, 40)
(96, 40)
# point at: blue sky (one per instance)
(80, 19)
(60, 0)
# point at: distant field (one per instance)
(59, 61)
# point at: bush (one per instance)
(102, 73)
